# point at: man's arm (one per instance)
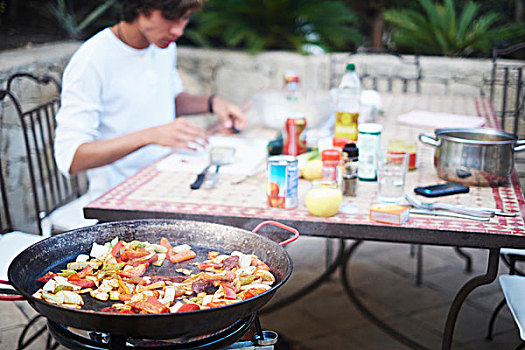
(177, 133)
(228, 113)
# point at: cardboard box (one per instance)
(389, 213)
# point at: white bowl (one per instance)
(273, 108)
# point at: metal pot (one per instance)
(476, 156)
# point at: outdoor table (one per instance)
(152, 193)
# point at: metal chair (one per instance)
(56, 196)
(11, 244)
(510, 257)
(507, 93)
(507, 88)
(396, 73)
(513, 288)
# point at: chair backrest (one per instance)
(50, 188)
(507, 89)
(5, 216)
(389, 72)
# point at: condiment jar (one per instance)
(331, 159)
(350, 156)
(324, 198)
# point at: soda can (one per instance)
(282, 179)
(294, 137)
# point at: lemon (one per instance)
(312, 170)
(324, 200)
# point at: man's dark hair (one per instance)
(170, 9)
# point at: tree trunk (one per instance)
(377, 30)
(518, 11)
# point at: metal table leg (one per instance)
(312, 286)
(488, 277)
(364, 310)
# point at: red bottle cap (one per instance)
(330, 154)
(340, 142)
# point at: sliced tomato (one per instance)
(48, 276)
(250, 293)
(229, 291)
(165, 243)
(83, 283)
(82, 274)
(115, 251)
(134, 272)
(188, 307)
(182, 256)
(217, 304)
(114, 310)
(152, 305)
(133, 254)
(207, 265)
(124, 297)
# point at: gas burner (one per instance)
(227, 338)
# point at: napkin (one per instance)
(426, 119)
(250, 154)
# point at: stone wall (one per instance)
(233, 75)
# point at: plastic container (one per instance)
(331, 159)
(369, 144)
(347, 105)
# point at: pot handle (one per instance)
(520, 146)
(14, 295)
(283, 226)
(428, 139)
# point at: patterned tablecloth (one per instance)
(157, 191)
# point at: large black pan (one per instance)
(53, 253)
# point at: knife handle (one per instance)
(198, 182)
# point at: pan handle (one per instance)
(9, 297)
(283, 226)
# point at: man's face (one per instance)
(160, 31)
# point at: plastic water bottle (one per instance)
(347, 104)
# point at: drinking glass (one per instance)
(391, 173)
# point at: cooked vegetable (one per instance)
(117, 270)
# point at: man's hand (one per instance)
(229, 114)
(179, 133)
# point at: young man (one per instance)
(121, 93)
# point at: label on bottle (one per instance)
(346, 125)
(369, 145)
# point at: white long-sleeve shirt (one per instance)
(110, 89)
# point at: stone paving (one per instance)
(383, 275)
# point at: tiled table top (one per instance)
(161, 192)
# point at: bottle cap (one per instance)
(350, 67)
(351, 150)
(340, 142)
(370, 128)
(330, 154)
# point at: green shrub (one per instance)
(440, 29)
(257, 25)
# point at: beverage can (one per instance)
(294, 142)
(282, 179)
(369, 144)
(291, 80)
